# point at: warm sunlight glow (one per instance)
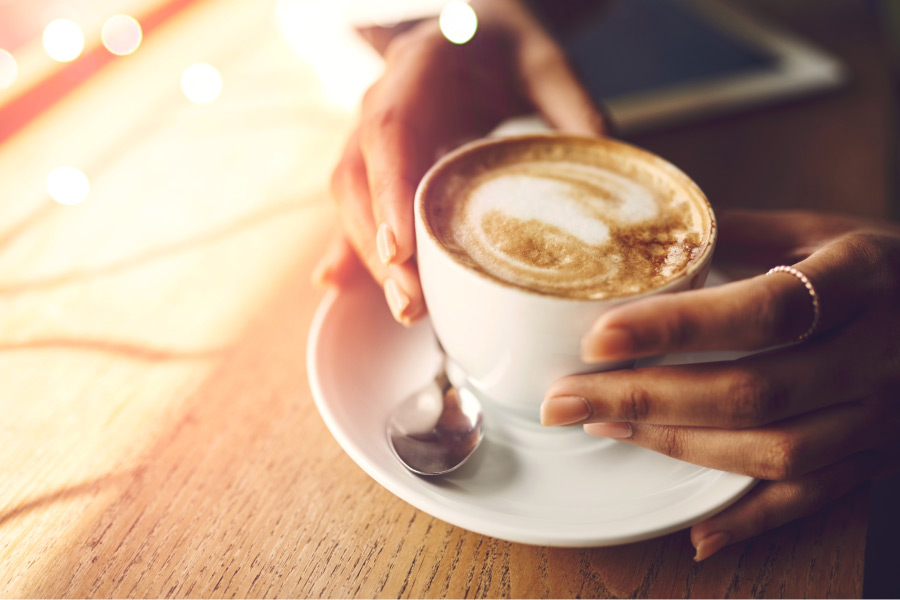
(458, 22)
(380, 20)
(121, 34)
(63, 40)
(68, 185)
(320, 34)
(201, 83)
(9, 70)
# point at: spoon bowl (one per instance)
(437, 428)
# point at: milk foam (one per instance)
(524, 197)
(572, 225)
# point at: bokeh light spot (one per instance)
(121, 34)
(201, 83)
(9, 69)
(458, 22)
(63, 40)
(68, 185)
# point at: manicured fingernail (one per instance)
(411, 316)
(608, 344)
(397, 300)
(616, 431)
(711, 544)
(564, 410)
(386, 243)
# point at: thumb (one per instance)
(338, 266)
(554, 89)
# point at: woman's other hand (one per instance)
(434, 95)
(813, 419)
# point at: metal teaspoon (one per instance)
(437, 428)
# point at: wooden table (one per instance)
(159, 435)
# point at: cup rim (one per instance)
(701, 262)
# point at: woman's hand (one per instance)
(433, 96)
(813, 419)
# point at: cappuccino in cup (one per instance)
(523, 242)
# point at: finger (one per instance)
(771, 504)
(738, 394)
(751, 314)
(779, 451)
(403, 293)
(350, 189)
(339, 266)
(744, 315)
(400, 281)
(749, 392)
(556, 92)
(394, 162)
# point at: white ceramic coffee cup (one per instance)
(509, 343)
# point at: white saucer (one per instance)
(555, 487)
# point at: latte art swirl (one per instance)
(574, 223)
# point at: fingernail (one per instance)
(616, 431)
(397, 300)
(386, 243)
(608, 344)
(711, 544)
(564, 410)
(409, 317)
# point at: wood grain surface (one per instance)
(159, 434)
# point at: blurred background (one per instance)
(654, 63)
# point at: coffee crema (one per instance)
(572, 217)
